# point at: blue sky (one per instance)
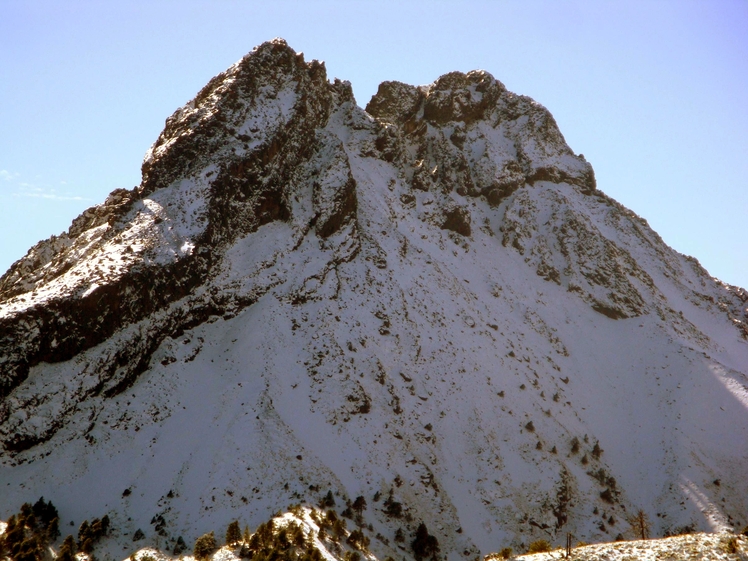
(654, 93)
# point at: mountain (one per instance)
(426, 303)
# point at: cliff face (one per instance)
(427, 301)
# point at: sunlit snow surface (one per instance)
(396, 356)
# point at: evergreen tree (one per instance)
(27, 514)
(205, 545)
(297, 537)
(233, 534)
(83, 533)
(14, 535)
(53, 529)
(29, 550)
(424, 545)
(328, 501)
(359, 505)
(180, 546)
(67, 551)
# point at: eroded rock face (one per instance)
(431, 292)
(221, 168)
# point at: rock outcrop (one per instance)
(427, 303)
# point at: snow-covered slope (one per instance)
(699, 546)
(425, 303)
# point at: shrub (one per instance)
(730, 545)
(204, 546)
(539, 546)
(530, 427)
(505, 553)
(574, 445)
(596, 451)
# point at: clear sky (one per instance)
(653, 92)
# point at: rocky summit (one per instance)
(427, 303)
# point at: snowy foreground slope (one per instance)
(425, 303)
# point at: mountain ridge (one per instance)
(457, 304)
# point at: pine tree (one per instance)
(53, 529)
(359, 505)
(424, 545)
(14, 535)
(640, 524)
(205, 545)
(83, 533)
(67, 550)
(180, 546)
(233, 534)
(328, 501)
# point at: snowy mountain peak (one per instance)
(427, 303)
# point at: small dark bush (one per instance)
(596, 451)
(730, 545)
(607, 496)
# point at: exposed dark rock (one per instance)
(395, 102)
(462, 97)
(457, 219)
